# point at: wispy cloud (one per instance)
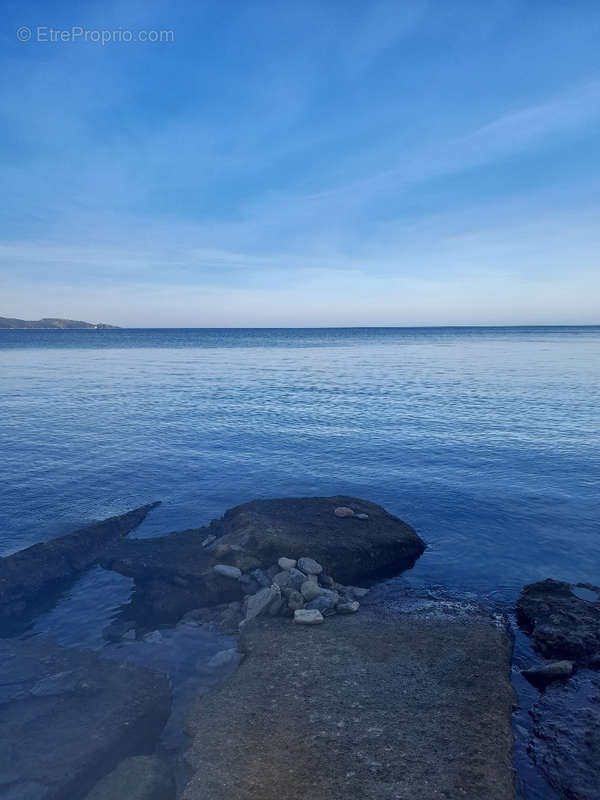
(339, 158)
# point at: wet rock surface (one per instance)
(379, 704)
(68, 717)
(563, 620)
(136, 778)
(31, 579)
(566, 737)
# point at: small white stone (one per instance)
(309, 566)
(227, 571)
(348, 607)
(291, 578)
(303, 616)
(343, 511)
(287, 563)
(362, 516)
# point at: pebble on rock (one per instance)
(291, 578)
(304, 616)
(332, 596)
(310, 590)
(257, 604)
(322, 603)
(309, 566)
(348, 607)
(343, 511)
(295, 600)
(361, 516)
(260, 577)
(227, 571)
(297, 586)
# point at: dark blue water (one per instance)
(486, 440)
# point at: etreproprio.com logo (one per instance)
(77, 33)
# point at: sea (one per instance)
(486, 440)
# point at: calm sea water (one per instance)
(486, 440)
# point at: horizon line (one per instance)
(317, 327)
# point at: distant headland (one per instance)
(50, 322)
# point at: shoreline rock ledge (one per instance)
(386, 704)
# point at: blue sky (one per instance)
(302, 163)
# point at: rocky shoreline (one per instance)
(337, 691)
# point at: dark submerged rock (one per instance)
(73, 719)
(544, 674)
(566, 737)
(562, 624)
(31, 579)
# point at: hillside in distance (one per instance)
(49, 322)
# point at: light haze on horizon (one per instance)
(303, 164)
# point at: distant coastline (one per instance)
(49, 323)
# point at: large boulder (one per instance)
(368, 706)
(349, 548)
(68, 717)
(175, 573)
(563, 620)
(31, 579)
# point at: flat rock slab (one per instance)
(563, 620)
(67, 717)
(380, 705)
(30, 577)
(349, 549)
